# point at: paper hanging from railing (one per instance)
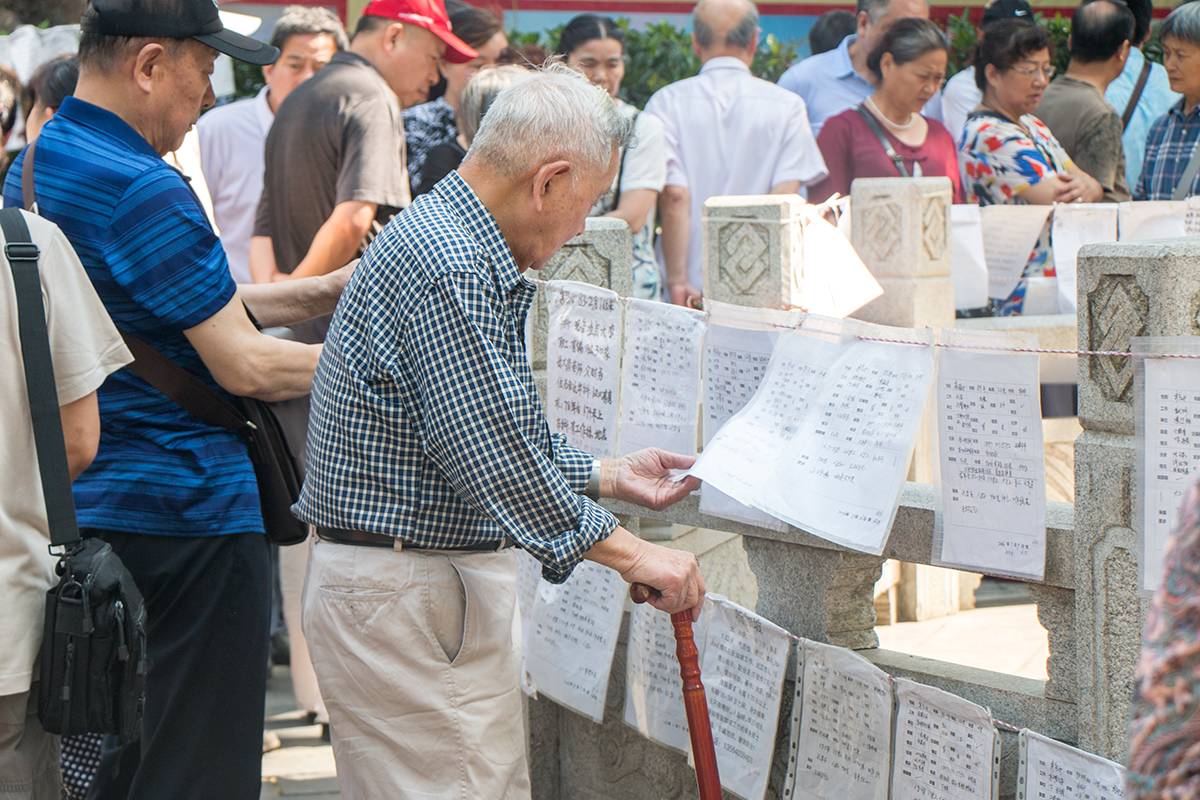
(992, 514)
(1010, 233)
(1151, 219)
(583, 360)
(1077, 224)
(735, 360)
(1168, 430)
(841, 743)
(1051, 770)
(968, 265)
(573, 635)
(946, 747)
(660, 377)
(745, 659)
(833, 280)
(825, 442)
(653, 688)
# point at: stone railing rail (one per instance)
(1088, 601)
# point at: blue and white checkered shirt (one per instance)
(425, 422)
(1169, 146)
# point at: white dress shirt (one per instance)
(232, 139)
(959, 99)
(729, 133)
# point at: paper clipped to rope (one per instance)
(1051, 770)
(1010, 233)
(834, 281)
(968, 265)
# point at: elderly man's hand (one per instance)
(667, 579)
(646, 478)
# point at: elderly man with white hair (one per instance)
(429, 459)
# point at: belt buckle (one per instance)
(397, 544)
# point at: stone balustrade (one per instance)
(1088, 601)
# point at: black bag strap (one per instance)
(22, 255)
(877, 129)
(1138, 88)
(184, 389)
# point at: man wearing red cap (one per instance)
(335, 161)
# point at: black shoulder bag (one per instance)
(877, 129)
(93, 658)
(275, 469)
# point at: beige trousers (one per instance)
(415, 659)
(28, 755)
(293, 566)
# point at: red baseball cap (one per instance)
(428, 14)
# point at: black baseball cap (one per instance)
(1007, 9)
(180, 19)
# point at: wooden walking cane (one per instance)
(694, 701)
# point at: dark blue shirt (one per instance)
(158, 267)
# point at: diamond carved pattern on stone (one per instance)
(581, 262)
(933, 228)
(744, 247)
(882, 231)
(1117, 311)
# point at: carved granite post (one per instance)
(749, 258)
(602, 255)
(1124, 290)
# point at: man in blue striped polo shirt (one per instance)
(176, 498)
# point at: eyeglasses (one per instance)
(1046, 72)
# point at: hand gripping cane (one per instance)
(694, 701)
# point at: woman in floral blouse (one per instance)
(1164, 741)
(1006, 154)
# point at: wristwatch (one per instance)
(593, 485)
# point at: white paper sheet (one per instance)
(529, 576)
(1191, 222)
(1170, 458)
(1152, 219)
(1009, 235)
(735, 361)
(660, 377)
(825, 443)
(653, 687)
(993, 482)
(1077, 224)
(834, 280)
(583, 357)
(843, 746)
(1051, 770)
(968, 266)
(747, 449)
(573, 636)
(945, 746)
(745, 659)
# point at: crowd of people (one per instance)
(413, 410)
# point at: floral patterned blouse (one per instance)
(1164, 756)
(999, 159)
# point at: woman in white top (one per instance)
(595, 46)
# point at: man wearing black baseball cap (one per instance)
(175, 497)
(961, 95)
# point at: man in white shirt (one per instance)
(85, 348)
(232, 137)
(834, 81)
(727, 133)
(961, 95)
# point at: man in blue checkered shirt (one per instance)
(428, 455)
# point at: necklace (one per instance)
(896, 126)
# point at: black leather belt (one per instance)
(367, 539)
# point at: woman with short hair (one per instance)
(1009, 156)
(1174, 136)
(886, 136)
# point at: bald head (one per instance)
(1100, 31)
(725, 27)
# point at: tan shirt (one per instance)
(86, 348)
(1089, 129)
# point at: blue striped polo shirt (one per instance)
(159, 269)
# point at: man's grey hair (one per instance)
(305, 20)
(740, 37)
(1183, 23)
(481, 91)
(874, 8)
(555, 113)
